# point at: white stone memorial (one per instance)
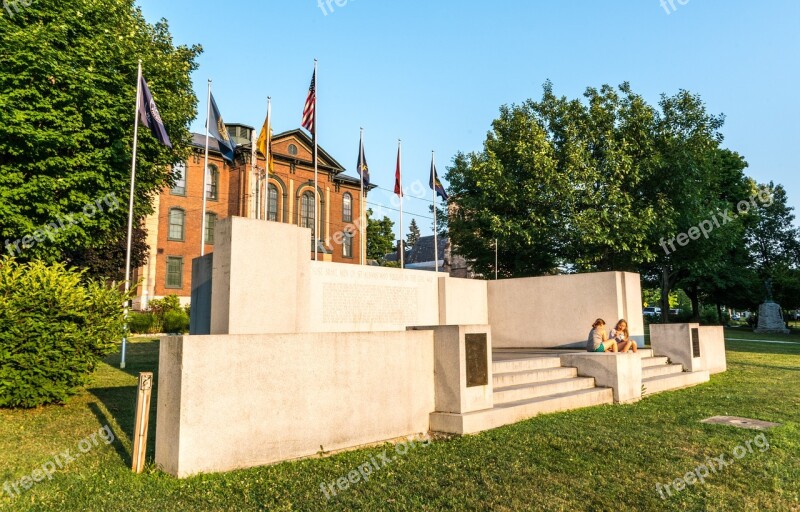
(302, 357)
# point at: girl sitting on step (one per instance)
(620, 334)
(598, 338)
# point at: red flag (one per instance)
(311, 105)
(398, 185)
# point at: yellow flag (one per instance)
(271, 159)
(262, 137)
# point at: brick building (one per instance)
(173, 230)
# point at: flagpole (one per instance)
(496, 258)
(435, 229)
(316, 177)
(130, 206)
(205, 176)
(266, 165)
(361, 198)
(400, 171)
(253, 170)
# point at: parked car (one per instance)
(651, 311)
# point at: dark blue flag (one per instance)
(361, 166)
(220, 132)
(436, 185)
(148, 113)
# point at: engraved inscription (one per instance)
(477, 365)
(369, 304)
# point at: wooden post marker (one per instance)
(142, 421)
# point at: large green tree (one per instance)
(560, 184)
(380, 236)
(67, 94)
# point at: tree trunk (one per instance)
(719, 314)
(692, 292)
(665, 289)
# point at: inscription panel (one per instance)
(371, 304)
(477, 364)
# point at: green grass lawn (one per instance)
(601, 458)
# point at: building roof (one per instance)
(421, 252)
(199, 141)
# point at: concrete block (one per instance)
(712, 349)
(454, 394)
(675, 342)
(230, 402)
(620, 372)
(523, 311)
(463, 301)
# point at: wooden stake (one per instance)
(142, 421)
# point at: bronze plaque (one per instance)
(477, 365)
(695, 342)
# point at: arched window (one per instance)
(272, 210)
(180, 183)
(292, 150)
(347, 207)
(176, 224)
(307, 211)
(211, 222)
(212, 183)
(347, 244)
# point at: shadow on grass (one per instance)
(124, 453)
(762, 348)
(120, 402)
(770, 367)
(140, 356)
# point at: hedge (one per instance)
(54, 329)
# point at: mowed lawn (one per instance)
(601, 458)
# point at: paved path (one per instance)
(765, 341)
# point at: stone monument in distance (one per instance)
(770, 315)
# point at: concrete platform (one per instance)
(674, 381)
(512, 412)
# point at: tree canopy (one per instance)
(68, 82)
(610, 182)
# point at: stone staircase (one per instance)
(525, 387)
(530, 383)
(659, 375)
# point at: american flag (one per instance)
(311, 105)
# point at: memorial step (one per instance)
(512, 412)
(654, 361)
(664, 369)
(645, 352)
(524, 364)
(673, 381)
(530, 376)
(521, 392)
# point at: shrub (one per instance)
(141, 323)
(176, 321)
(709, 316)
(168, 315)
(54, 329)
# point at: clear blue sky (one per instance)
(434, 73)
